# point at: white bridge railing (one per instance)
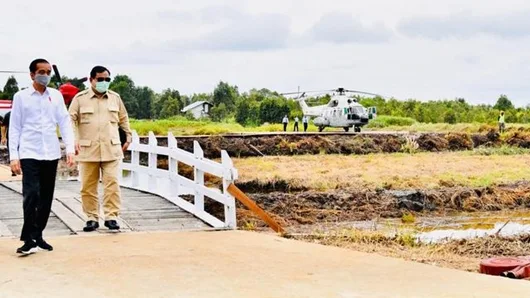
(170, 185)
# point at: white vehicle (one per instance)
(341, 111)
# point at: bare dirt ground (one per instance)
(227, 264)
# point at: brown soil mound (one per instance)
(518, 139)
(244, 146)
(345, 205)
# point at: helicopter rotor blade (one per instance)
(311, 91)
(12, 71)
(57, 75)
(362, 92)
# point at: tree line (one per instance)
(259, 106)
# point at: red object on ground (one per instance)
(527, 271)
(68, 91)
(497, 266)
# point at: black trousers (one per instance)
(38, 185)
(295, 126)
(285, 127)
(305, 126)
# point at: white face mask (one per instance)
(43, 80)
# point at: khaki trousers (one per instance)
(89, 172)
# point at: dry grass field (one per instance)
(389, 171)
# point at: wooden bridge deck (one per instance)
(140, 211)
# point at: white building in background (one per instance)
(199, 109)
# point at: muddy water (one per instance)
(436, 229)
(465, 226)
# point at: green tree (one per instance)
(145, 97)
(219, 112)
(10, 88)
(160, 103)
(124, 86)
(172, 107)
(224, 93)
(272, 110)
(450, 117)
(503, 103)
(247, 111)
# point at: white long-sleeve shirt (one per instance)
(33, 125)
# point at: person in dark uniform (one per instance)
(5, 134)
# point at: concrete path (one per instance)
(227, 264)
(5, 174)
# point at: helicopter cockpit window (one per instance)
(357, 110)
(334, 103)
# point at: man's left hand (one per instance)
(125, 146)
(70, 160)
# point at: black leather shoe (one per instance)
(112, 225)
(91, 226)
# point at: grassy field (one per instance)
(182, 126)
(392, 171)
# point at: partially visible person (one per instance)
(285, 121)
(98, 114)
(502, 124)
(5, 135)
(305, 122)
(34, 149)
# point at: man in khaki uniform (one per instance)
(97, 114)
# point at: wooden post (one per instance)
(199, 178)
(135, 161)
(236, 192)
(174, 188)
(228, 178)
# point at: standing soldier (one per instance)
(97, 115)
(501, 122)
(305, 122)
(285, 121)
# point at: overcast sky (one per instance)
(419, 49)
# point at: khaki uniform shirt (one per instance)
(95, 122)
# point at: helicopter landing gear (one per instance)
(320, 128)
(357, 129)
(346, 129)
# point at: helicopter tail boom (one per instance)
(307, 110)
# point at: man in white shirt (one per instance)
(285, 121)
(305, 122)
(295, 124)
(34, 149)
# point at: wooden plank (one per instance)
(69, 218)
(64, 193)
(14, 185)
(172, 224)
(76, 207)
(238, 194)
(55, 227)
(4, 230)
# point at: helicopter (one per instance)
(342, 110)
